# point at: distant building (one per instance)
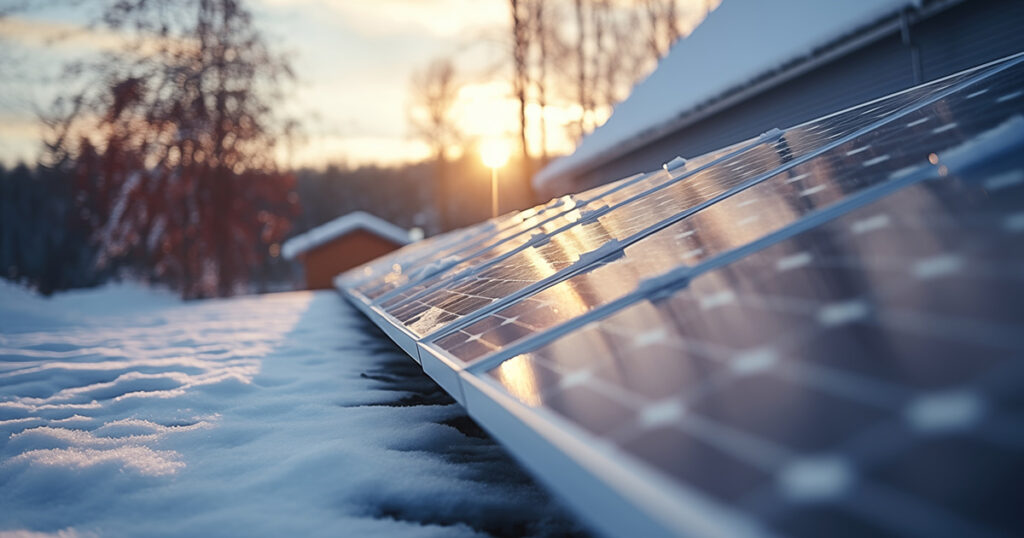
(341, 244)
(754, 65)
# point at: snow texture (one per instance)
(739, 42)
(357, 220)
(125, 412)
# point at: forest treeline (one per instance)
(47, 243)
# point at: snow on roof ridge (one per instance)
(330, 230)
(738, 42)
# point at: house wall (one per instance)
(962, 36)
(323, 263)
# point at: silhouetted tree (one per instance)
(521, 42)
(595, 49)
(433, 93)
(173, 145)
(663, 29)
(542, 31)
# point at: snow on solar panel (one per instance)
(814, 332)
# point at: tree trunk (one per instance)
(520, 48)
(581, 66)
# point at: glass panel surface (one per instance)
(865, 373)
(869, 159)
(800, 140)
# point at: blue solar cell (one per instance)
(976, 479)
(841, 524)
(688, 459)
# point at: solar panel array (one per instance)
(817, 331)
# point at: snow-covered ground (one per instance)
(125, 412)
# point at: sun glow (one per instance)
(494, 152)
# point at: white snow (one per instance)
(125, 412)
(739, 42)
(356, 220)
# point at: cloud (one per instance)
(53, 34)
(72, 37)
(19, 139)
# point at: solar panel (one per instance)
(765, 207)
(453, 242)
(446, 297)
(814, 348)
(459, 255)
(542, 218)
(615, 193)
(814, 333)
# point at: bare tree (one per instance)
(601, 61)
(583, 54)
(434, 91)
(663, 26)
(542, 36)
(175, 149)
(582, 81)
(521, 73)
(611, 45)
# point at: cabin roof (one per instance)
(329, 231)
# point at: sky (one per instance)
(353, 60)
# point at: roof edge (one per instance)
(330, 230)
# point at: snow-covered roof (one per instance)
(357, 220)
(739, 42)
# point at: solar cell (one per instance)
(586, 210)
